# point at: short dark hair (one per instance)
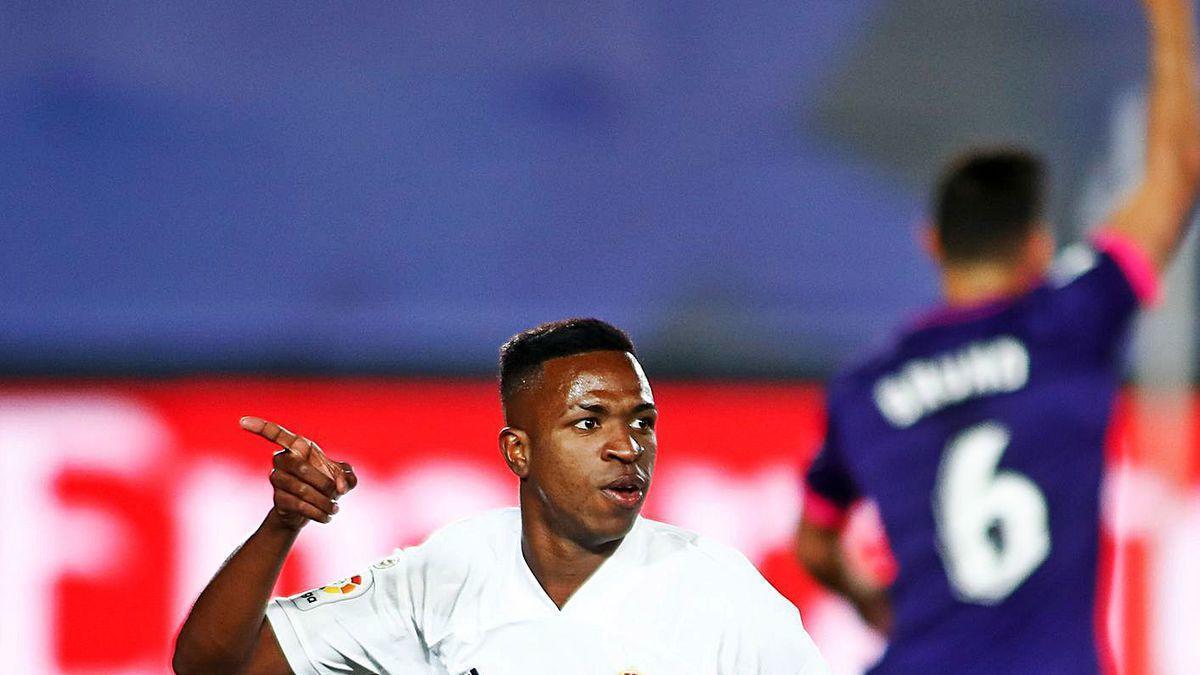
(988, 202)
(522, 356)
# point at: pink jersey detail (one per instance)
(1134, 262)
(822, 512)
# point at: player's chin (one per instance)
(606, 530)
(617, 517)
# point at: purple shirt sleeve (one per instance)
(829, 490)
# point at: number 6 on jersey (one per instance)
(992, 524)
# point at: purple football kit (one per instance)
(979, 433)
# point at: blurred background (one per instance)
(333, 216)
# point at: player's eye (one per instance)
(643, 423)
(587, 423)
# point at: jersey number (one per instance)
(992, 524)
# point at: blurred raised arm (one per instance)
(1156, 214)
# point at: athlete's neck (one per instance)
(974, 284)
(559, 563)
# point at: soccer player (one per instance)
(979, 430)
(574, 581)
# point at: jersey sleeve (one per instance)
(360, 624)
(1097, 287)
(829, 489)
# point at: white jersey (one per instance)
(465, 602)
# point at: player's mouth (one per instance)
(627, 491)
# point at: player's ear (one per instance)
(514, 448)
(1039, 250)
(931, 243)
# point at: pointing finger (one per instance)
(276, 434)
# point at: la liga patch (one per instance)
(345, 586)
(342, 589)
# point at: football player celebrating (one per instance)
(572, 581)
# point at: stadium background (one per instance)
(332, 216)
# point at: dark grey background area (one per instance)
(396, 188)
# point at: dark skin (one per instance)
(820, 550)
(582, 423)
(585, 421)
(226, 631)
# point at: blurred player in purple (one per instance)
(979, 430)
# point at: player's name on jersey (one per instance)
(921, 387)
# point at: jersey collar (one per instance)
(610, 577)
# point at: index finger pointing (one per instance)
(274, 433)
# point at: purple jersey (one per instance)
(980, 435)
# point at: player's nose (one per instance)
(623, 447)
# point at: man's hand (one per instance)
(819, 549)
(226, 631)
(875, 608)
(307, 483)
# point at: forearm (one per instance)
(1172, 144)
(221, 631)
(1172, 69)
(1156, 215)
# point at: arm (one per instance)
(820, 551)
(1155, 216)
(829, 493)
(226, 631)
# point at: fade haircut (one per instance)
(988, 203)
(522, 356)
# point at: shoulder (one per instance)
(665, 541)
(489, 529)
(1105, 264)
(465, 547)
(1092, 292)
(724, 569)
(758, 630)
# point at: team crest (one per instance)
(342, 589)
(390, 561)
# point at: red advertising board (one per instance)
(122, 498)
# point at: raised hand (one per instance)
(307, 483)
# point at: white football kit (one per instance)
(666, 602)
